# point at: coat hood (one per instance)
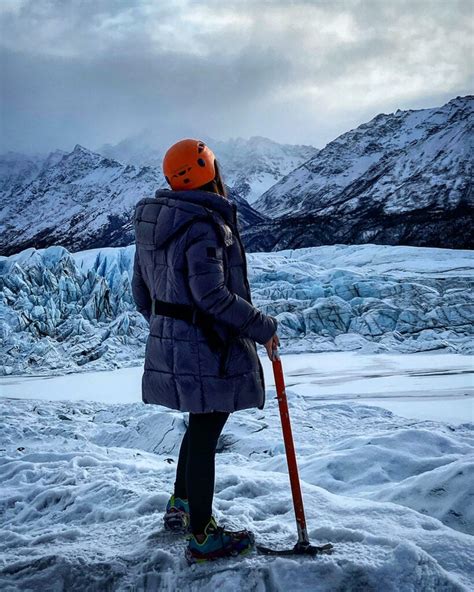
(158, 219)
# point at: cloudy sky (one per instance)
(96, 71)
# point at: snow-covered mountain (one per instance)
(252, 166)
(84, 199)
(17, 170)
(80, 200)
(403, 178)
(395, 158)
(249, 166)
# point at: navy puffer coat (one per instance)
(189, 251)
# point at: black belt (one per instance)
(195, 316)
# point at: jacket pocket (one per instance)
(225, 357)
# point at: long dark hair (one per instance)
(217, 184)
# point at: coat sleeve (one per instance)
(140, 291)
(205, 268)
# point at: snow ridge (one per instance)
(83, 199)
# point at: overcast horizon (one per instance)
(96, 72)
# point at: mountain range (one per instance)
(80, 200)
(250, 167)
(401, 178)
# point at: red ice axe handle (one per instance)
(303, 538)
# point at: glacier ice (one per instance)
(62, 311)
(58, 315)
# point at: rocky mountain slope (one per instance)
(403, 178)
(80, 200)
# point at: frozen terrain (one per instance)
(435, 386)
(62, 312)
(85, 484)
(86, 468)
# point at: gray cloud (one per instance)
(95, 71)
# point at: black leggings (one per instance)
(195, 473)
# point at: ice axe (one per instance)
(303, 546)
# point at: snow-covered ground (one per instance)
(85, 481)
(62, 312)
(375, 345)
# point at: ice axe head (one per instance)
(302, 548)
(308, 549)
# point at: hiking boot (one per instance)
(176, 518)
(219, 543)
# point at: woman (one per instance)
(190, 282)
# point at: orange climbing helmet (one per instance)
(189, 164)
